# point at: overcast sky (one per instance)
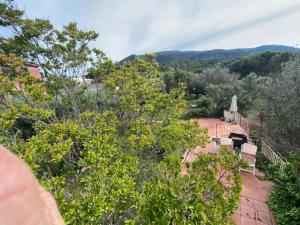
(138, 26)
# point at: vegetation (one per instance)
(267, 86)
(114, 156)
(280, 106)
(262, 64)
(196, 60)
(110, 157)
(273, 96)
(212, 89)
(284, 199)
(275, 100)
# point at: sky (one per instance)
(141, 26)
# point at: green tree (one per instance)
(250, 93)
(211, 76)
(221, 95)
(80, 163)
(23, 102)
(100, 166)
(174, 77)
(106, 166)
(281, 106)
(203, 196)
(101, 67)
(263, 64)
(284, 199)
(60, 54)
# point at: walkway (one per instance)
(252, 209)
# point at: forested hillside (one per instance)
(216, 54)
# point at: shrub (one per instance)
(196, 112)
(284, 199)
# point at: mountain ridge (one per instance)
(214, 54)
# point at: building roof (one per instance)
(32, 69)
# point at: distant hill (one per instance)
(215, 54)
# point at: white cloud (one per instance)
(138, 26)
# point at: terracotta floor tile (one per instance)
(263, 217)
(247, 211)
(262, 196)
(247, 221)
(261, 206)
(237, 218)
(252, 207)
(247, 201)
(260, 223)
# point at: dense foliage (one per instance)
(191, 199)
(267, 87)
(109, 157)
(284, 199)
(280, 107)
(263, 64)
(211, 90)
(272, 98)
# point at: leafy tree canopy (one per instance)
(112, 157)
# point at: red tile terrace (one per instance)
(252, 207)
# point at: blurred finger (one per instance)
(21, 198)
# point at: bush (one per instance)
(196, 112)
(284, 199)
(205, 107)
(204, 101)
(284, 203)
(190, 97)
(262, 162)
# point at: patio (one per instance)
(252, 209)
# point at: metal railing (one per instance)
(245, 125)
(271, 155)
